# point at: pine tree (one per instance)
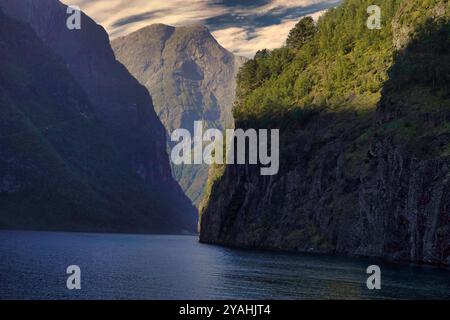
(302, 32)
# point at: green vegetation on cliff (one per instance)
(365, 132)
(341, 64)
(338, 64)
(344, 64)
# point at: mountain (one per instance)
(364, 123)
(101, 162)
(190, 77)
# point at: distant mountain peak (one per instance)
(159, 34)
(190, 76)
(157, 27)
(196, 27)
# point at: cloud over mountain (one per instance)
(243, 27)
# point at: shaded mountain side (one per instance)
(364, 159)
(190, 77)
(127, 157)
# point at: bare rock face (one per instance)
(393, 205)
(190, 77)
(121, 105)
(404, 206)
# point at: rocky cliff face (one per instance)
(124, 109)
(404, 198)
(190, 77)
(370, 182)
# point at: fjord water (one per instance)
(33, 266)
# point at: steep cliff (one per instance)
(126, 157)
(364, 118)
(190, 77)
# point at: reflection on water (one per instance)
(33, 265)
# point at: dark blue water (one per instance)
(33, 266)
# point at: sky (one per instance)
(241, 26)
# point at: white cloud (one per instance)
(245, 43)
(171, 12)
(120, 17)
(284, 4)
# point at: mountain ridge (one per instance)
(190, 76)
(124, 109)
